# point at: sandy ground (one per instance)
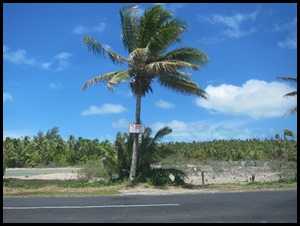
(214, 173)
(238, 173)
(66, 173)
(50, 176)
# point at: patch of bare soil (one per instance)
(214, 173)
(233, 172)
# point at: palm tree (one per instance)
(151, 152)
(287, 133)
(147, 38)
(291, 94)
(123, 145)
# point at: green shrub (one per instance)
(161, 177)
(4, 168)
(93, 170)
(20, 184)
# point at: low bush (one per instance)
(94, 170)
(162, 177)
(4, 168)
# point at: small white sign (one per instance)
(136, 128)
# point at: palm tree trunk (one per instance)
(135, 139)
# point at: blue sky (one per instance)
(248, 44)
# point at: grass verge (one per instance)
(22, 188)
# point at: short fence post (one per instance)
(202, 175)
(200, 168)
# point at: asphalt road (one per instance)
(238, 207)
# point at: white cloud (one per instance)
(290, 42)
(79, 29)
(104, 109)
(82, 29)
(256, 99)
(55, 86)
(180, 129)
(124, 93)
(205, 130)
(7, 96)
(17, 57)
(164, 104)
(233, 26)
(61, 61)
(121, 123)
(46, 65)
(63, 56)
(290, 25)
(291, 39)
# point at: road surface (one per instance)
(235, 207)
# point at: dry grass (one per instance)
(56, 190)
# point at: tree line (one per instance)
(51, 150)
(238, 150)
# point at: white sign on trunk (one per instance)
(136, 128)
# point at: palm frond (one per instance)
(287, 132)
(166, 35)
(98, 49)
(292, 111)
(118, 78)
(287, 78)
(110, 158)
(138, 57)
(147, 132)
(150, 151)
(191, 55)
(291, 94)
(129, 25)
(161, 133)
(169, 66)
(183, 75)
(112, 78)
(181, 85)
(146, 141)
(150, 22)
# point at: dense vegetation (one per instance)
(112, 161)
(237, 150)
(51, 150)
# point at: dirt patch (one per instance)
(50, 190)
(66, 173)
(214, 172)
